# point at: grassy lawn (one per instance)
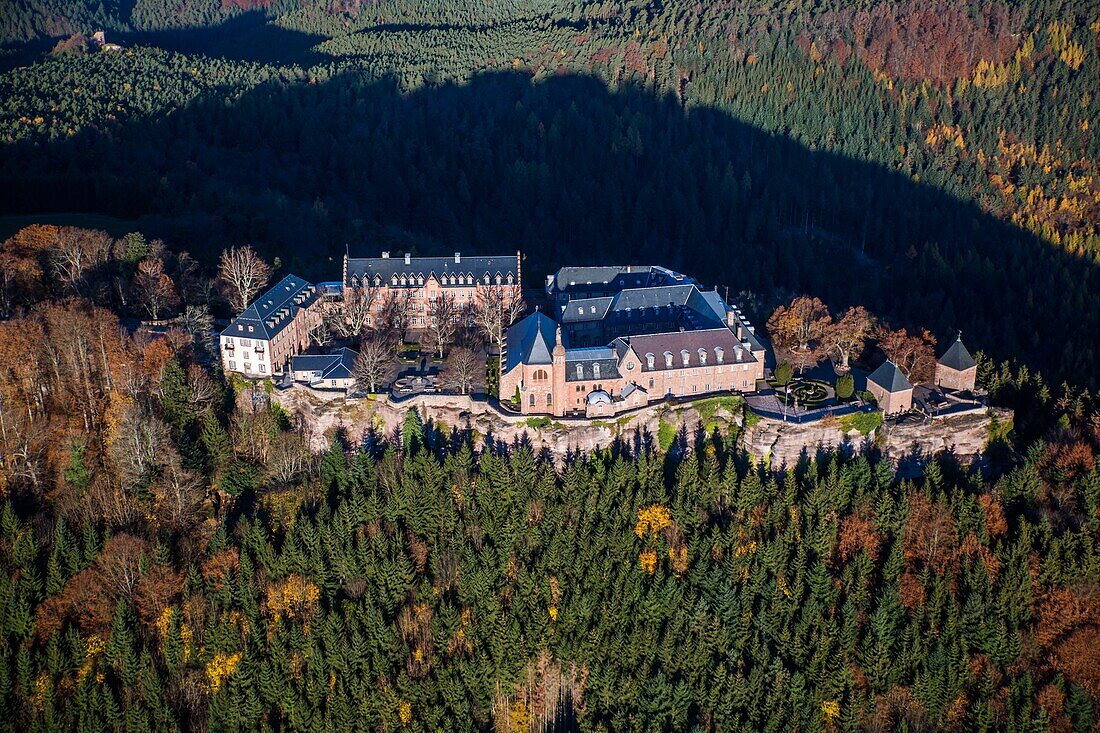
(864, 422)
(666, 434)
(708, 408)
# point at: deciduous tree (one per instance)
(375, 359)
(461, 369)
(847, 337)
(242, 274)
(915, 354)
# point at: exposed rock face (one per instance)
(907, 444)
(904, 442)
(785, 442)
(964, 435)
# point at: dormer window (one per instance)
(393, 279)
(718, 354)
(703, 357)
(419, 279)
(486, 278)
(685, 356)
(649, 360)
(668, 359)
(580, 371)
(509, 279)
(498, 279)
(595, 371)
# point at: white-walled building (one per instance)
(261, 341)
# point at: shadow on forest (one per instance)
(250, 37)
(571, 173)
(246, 37)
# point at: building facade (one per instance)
(325, 371)
(607, 353)
(417, 282)
(956, 369)
(891, 389)
(262, 340)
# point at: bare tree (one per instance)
(356, 316)
(290, 456)
(373, 363)
(154, 287)
(76, 253)
(443, 322)
(461, 369)
(496, 310)
(242, 273)
(395, 316)
(320, 333)
(178, 494)
(198, 322)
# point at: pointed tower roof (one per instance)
(957, 357)
(531, 340)
(890, 378)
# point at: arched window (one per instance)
(580, 371)
(549, 398)
(532, 400)
(595, 371)
(540, 375)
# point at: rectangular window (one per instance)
(232, 366)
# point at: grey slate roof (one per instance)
(957, 357)
(471, 270)
(709, 340)
(890, 378)
(581, 363)
(531, 341)
(663, 303)
(607, 279)
(337, 365)
(279, 304)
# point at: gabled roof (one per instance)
(274, 310)
(581, 363)
(890, 378)
(957, 357)
(710, 340)
(337, 365)
(531, 341)
(473, 268)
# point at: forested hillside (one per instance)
(174, 557)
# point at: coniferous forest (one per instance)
(177, 558)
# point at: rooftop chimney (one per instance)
(458, 257)
(385, 255)
(408, 258)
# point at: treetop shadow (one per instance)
(571, 172)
